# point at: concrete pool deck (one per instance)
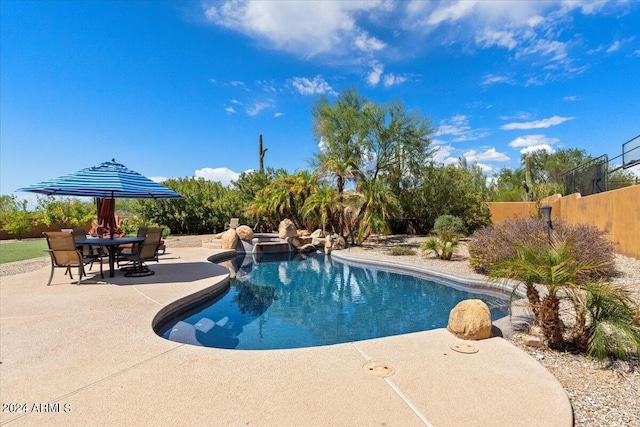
(88, 355)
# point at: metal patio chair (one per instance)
(142, 252)
(65, 254)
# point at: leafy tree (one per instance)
(372, 146)
(508, 186)
(339, 128)
(14, 216)
(207, 206)
(544, 177)
(444, 190)
(548, 167)
(68, 211)
(621, 178)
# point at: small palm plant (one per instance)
(614, 321)
(443, 244)
(555, 269)
(447, 230)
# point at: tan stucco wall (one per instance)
(615, 212)
(502, 211)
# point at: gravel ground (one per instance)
(601, 395)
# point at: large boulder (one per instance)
(334, 242)
(287, 229)
(229, 239)
(470, 320)
(245, 233)
(318, 233)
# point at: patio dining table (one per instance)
(111, 245)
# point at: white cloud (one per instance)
(221, 175)
(158, 179)
(230, 110)
(520, 115)
(366, 43)
(304, 28)
(374, 76)
(490, 79)
(533, 148)
(314, 86)
(267, 86)
(278, 114)
(443, 152)
(486, 169)
(492, 37)
(614, 47)
(393, 79)
(490, 155)
(258, 106)
(237, 83)
(570, 98)
(458, 127)
(537, 124)
(533, 141)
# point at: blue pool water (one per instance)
(279, 302)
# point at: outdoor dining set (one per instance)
(67, 251)
(105, 182)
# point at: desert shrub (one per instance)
(402, 250)
(499, 242)
(450, 222)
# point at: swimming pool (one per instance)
(292, 301)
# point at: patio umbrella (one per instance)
(106, 181)
(107, 213)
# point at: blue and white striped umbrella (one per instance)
(108, 180)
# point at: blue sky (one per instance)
(175, 89)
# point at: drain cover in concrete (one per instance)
(378, 369)
(461, 347)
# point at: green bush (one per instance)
(402, 250)
(14, 216)
(499, 242)
(450, 222)
(131, 225)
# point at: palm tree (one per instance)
(324, 204)
(557, 271)
(379, 205)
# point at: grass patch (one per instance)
(402, 250)
(19, 251)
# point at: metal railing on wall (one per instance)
(599, 174)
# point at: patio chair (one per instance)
(65, 254)
(142, 252)
(88, 251)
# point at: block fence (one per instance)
(615, 212)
